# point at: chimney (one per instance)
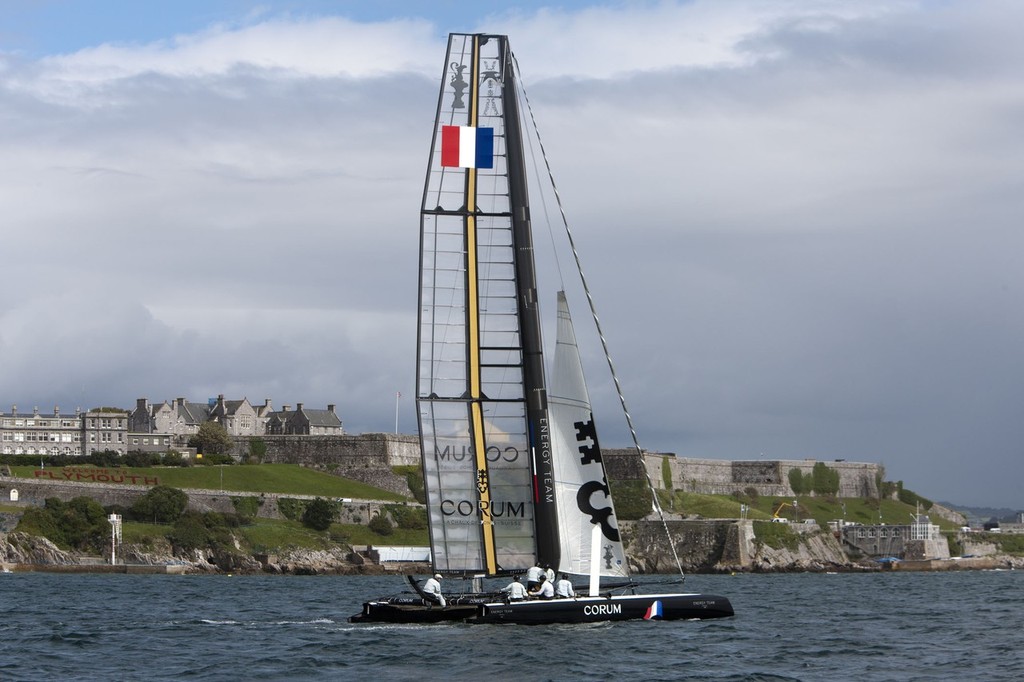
(284, 408)
(14, 410)
(330, 408)
(56, 410)
(35, 411)
(298, 407)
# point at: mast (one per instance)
(546, 518)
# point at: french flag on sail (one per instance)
(654, 611)
(467, 147)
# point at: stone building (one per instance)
(304, 421)
(63, 434)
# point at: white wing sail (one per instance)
(581, 485)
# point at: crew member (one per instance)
(432, 588)
(515, 590)
(545, 590)
(533, 577)
(563, 588)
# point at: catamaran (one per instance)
(511, 461)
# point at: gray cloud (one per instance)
(800, 223)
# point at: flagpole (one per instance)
(398, 394)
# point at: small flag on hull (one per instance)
(654, 610)
(467, 147)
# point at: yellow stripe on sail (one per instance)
(473, 311)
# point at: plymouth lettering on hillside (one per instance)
(83, 475)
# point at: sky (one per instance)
(801, 219)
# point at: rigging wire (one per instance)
(593, 313)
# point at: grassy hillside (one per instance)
(263, 478)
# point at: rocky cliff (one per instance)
(22, 548)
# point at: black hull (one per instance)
(387, 612)
(601, 609)
(541, 612)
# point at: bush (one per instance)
(173, 458)
(247, 507)
(189, 532)
(380, 525)
(79, 524)
(139, 459)
(408, 518)
(257, 451)
(194, 530)
(319, 514)
(162, 504)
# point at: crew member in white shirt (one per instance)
(432, 588)
(533, 577)
(515, 590)
(563, 588)
(544, 591)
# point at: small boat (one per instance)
(512, 465)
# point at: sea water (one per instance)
(881, 626)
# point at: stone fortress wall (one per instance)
(725, 477)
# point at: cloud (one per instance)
(800, 221)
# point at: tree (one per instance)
(796, 481)
(212, 439)
(825, 481)
(78, 524)
(162, 504)
(319, 514)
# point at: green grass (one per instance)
(289, 479)
(707, 506)
(776, 535)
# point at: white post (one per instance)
(398, 395)
(115, 536)
(595, 560)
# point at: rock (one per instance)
(22, 548)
